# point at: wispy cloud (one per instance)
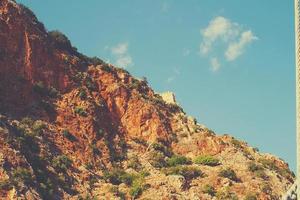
(174, 75)
(121, 55)
(236, 49)
(215, 64)
(230, 36)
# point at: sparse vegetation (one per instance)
(134, 163)
(38, 128)
(22, 174)
(207, 160)
(187, 172)
(228, 173)
(5, 185)
(226, 195)
(158, 160)
(60, 40)
(61, 163)
(177, 160)
(162, 148)
(250, 196)
(208, 189)
(66, 133)
(82, 94)
(42, 90)
(236, 143)
(80, 111)
(118, 176)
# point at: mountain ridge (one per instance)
(74, 127)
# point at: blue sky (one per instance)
(230, 63)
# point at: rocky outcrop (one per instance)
(74, 127)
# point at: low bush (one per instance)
(43, 90)
(157, 159)
(66, 133)
(228, 173)
(162, 148)
(226, 195)
(207, 160)
(236, 143)
(134, 163)
(250, 196)
(208, 189)
(60, 40)
(38, 127)
(187, 172)
(177, 160)
(82, 94)
(118, 176)
(80, 111)
(5, 185)
(22, 174)
(61, 163)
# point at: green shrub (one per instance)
(226, 195)
(134, 163)
(207, 160)
(266, 188)
(268, 163)
(157, 159)
(42, 90)
(118, 176)
(82, 94)
(250, 196)
(66, 133)
(22, 174)
(89, 166)
(236, 143)
(95, 149)
(136, 190)
(6, 185)
(107, 68)
(100, 133)
(208, 189)
(187, 172)
(27, 120)
(90, 84)
(261, 174)
(80, 111)
(61, 41)
(117, 193)
(61, 163)
(162, 148)
(96, 61)
(38, 127)
(177, 160)
(252, 166)
(228, 173)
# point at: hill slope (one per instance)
(74, 127)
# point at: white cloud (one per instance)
(218, 28)
(120, 49)
(224, 37)
(121, 55)
(236, 49)
(215, 64)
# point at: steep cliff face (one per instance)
(74, 127)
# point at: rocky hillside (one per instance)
(74, 127)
